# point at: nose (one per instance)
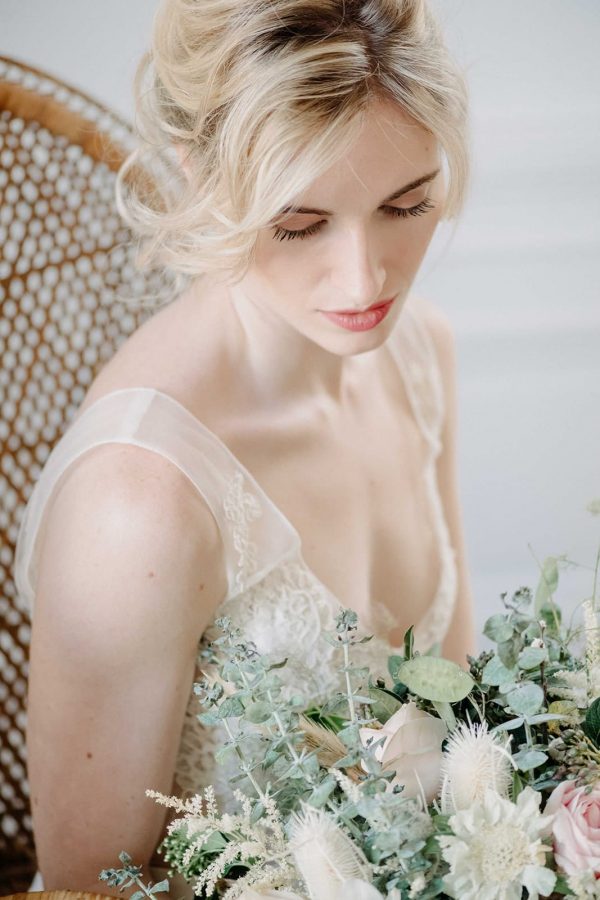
(357, 271)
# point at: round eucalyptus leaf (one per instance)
(495, 672)
(526, 699)
(435, 678)
(532, 657)
(498, 628)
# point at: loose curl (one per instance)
(261, 97)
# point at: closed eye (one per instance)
(424, 206)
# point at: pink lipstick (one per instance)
(361, 321)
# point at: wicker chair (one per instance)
(66, 262)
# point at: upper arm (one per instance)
(130, 574)
(461, 638)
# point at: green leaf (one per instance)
(547, 584)
(435, 678)
(552, 617)
(161, 886)
(209, 718)
(257, 713)
(271, 757)
(508, 651)
(349, 735)
(529, 759)
(496, 673)
(384, 704)
(526, 699)
(231, 706)
(409, 643)
(257, 813)
(322, 792)
(532, 657)
(508, 726)
(498, 628)
(393, 664)
(137, 896)
(446, 714)
(591, 724)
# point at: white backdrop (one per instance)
(519, 278)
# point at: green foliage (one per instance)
(591, 725)
(436, 679)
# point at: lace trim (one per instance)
(241, 508)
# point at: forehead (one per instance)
(391, 149)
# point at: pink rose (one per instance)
(412, 746)
(576, 827)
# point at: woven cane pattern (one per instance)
(66, 270)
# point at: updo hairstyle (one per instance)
(260, 97)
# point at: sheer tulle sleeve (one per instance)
(255, 536)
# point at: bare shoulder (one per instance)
(127, 521)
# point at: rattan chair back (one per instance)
(66, 262)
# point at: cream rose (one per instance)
(412, 746)
(576, 827)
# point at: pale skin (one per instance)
(319, 417)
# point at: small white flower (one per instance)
(473, 761)
(496, 849)
(537, 642)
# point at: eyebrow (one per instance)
(295, 210)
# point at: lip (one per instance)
(361, 321)
(360, 312)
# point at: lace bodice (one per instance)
(273, 596)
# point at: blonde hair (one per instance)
(261, 98)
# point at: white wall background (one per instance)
(519, 278)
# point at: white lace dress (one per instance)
(272, 594)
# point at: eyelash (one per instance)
(424, 206)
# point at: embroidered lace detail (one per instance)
(241, 508)
(285, 615)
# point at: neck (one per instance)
(281, 366)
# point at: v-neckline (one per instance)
(257, 487)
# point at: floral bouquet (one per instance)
(436, 782)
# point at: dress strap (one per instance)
(255, 534)
(412, 347)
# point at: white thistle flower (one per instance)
(496, 849)
(473, 761)
(324, 855)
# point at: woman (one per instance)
(278, 440)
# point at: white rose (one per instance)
(412, 746)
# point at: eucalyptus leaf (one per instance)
(526, 699)
(508, 651)
(495, 672)
(161, 886)
(393, 664)
(231, 706)
(532, 657)
(257, 713)
(529, 759)
(322, 792)
(508, 726)
(384, 704)
(436, 679)
(498, 628)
